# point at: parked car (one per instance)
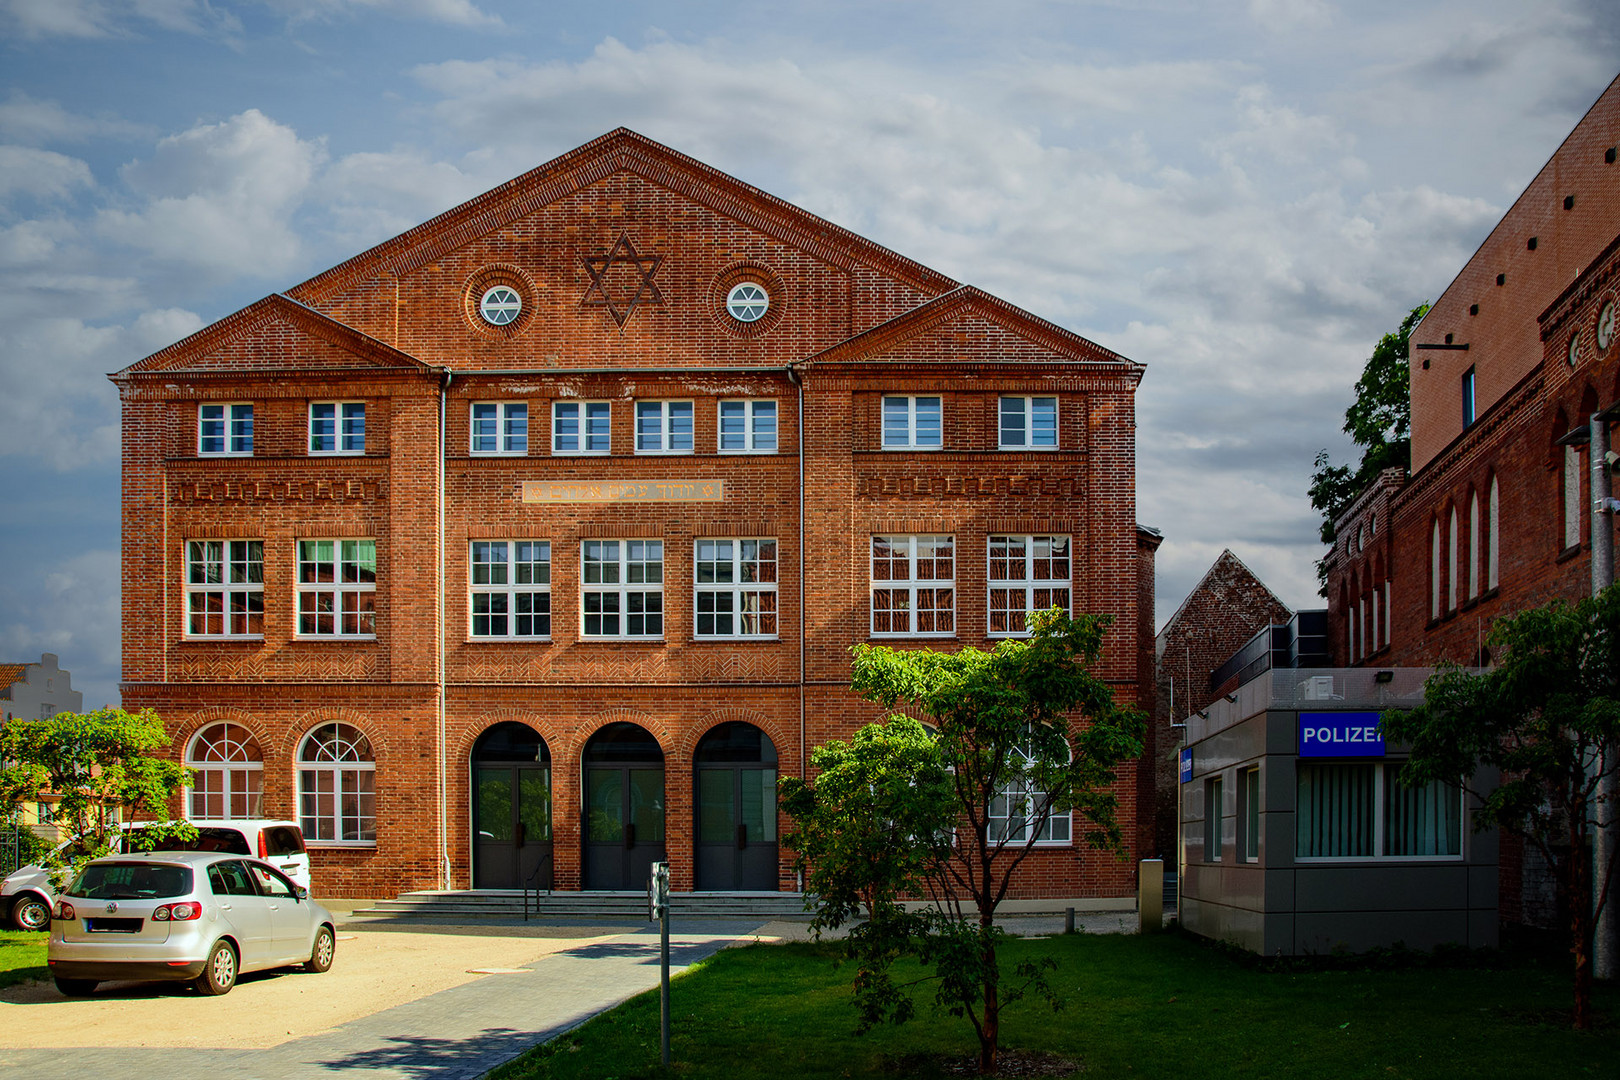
(27, 898)
(198, 916)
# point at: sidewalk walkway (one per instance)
(458, 1033)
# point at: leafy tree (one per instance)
(1547, 718)
(101, 766)
(1379, 421)
(1002, 724)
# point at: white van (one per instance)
(26, 896)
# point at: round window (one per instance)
(1573, 353)
(1605, 327)
(747, 302)
(500, 305)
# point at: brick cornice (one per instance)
(620, 150)
(1587, 284)
(172, 360)
(967, 300)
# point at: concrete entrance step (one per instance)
(508, 904)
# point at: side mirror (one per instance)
(300, 892)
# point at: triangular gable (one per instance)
(1226, 560)
(621, 149)
(947, 323)
(255, 339)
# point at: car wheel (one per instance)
(320, 957)
(30, 912)
(219, 974)
(76, 987)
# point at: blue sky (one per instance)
(1241, 195)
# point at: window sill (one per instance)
(340, 845)
(1035, 449)
(337, 453)
(1569, 553)
(585, 639)
(904, 636)
(335, 637)
(493, 640)
(563, 453)
(737, 453)
(497, 453)
(734, 639)
(222, 639)
(665, 453)
(911, 449)
(227, 454)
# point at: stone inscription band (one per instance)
(616, 491)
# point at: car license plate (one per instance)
(113, 926)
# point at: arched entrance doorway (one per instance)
(736, 809)
(511, 808)
(624, 807)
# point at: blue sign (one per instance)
(1340, 734)
(1186, 765)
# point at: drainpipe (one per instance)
(804, 766)
(1605, 948)
(445, 376)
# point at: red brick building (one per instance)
(1496, 514)
(530, 544)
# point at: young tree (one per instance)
(1379, 421)
(1009, 757)
(100, 765)
(1547, 716)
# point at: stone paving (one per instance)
(463, 1032)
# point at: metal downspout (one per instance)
(445, 377)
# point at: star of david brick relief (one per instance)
(621, 279)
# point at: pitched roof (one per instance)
(620, 149)
(10, 673)
(277, 306)
(968, 300)
(1225, 559)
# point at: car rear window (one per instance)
(132, 881)
(281, 840)
(224, 841)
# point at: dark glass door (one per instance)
(624, 808)
(511, 781)
(736, 810)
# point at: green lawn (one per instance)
(1159, 1006)
(22, 956)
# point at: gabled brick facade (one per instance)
(620, 256)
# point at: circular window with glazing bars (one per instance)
(500, 305)
(498, 300)
(747, 302)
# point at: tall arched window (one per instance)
(337, 786)
(1493, 513)
(1451, 564)
(1434, 571)
(1473, 545)
(1572, 497)
(1374, 636)
(227, 774)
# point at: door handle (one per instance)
(742, 837)
(630, 834)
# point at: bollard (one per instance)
(1068, 920)
(1150, 895)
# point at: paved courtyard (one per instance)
(408, 1001)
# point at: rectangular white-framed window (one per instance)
(511, 589)
(1212, 819)
(225, 430)
(747, 426)
(623, 590)
(913, 586)
(1359, 810)
(1026, 573)
(663, 427)
(1015, 811)
(337, 427)
(337, 588)
(1249, 814)
(735, 583)
(912, 423)
(1029, 423)
(581, 427)
(500, 428)
(225, 588)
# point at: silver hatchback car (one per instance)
(196, 916)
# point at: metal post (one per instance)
(1604, 946)
(661, 900)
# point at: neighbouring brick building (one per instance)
(1496, 515)
(530, 544)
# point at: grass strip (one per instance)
(22, 956)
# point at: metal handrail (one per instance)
(533, 884)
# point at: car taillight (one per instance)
(184, 912)
(64, 910)
(264, 848)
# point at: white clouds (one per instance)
(453, 12)
(72, 608)
(33, 121)
(220, 196)
(110, 18)
(41, 173)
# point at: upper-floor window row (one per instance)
(917, 422)
(334, 427)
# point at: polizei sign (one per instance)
(1340, 734)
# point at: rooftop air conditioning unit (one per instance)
(1317, 688)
